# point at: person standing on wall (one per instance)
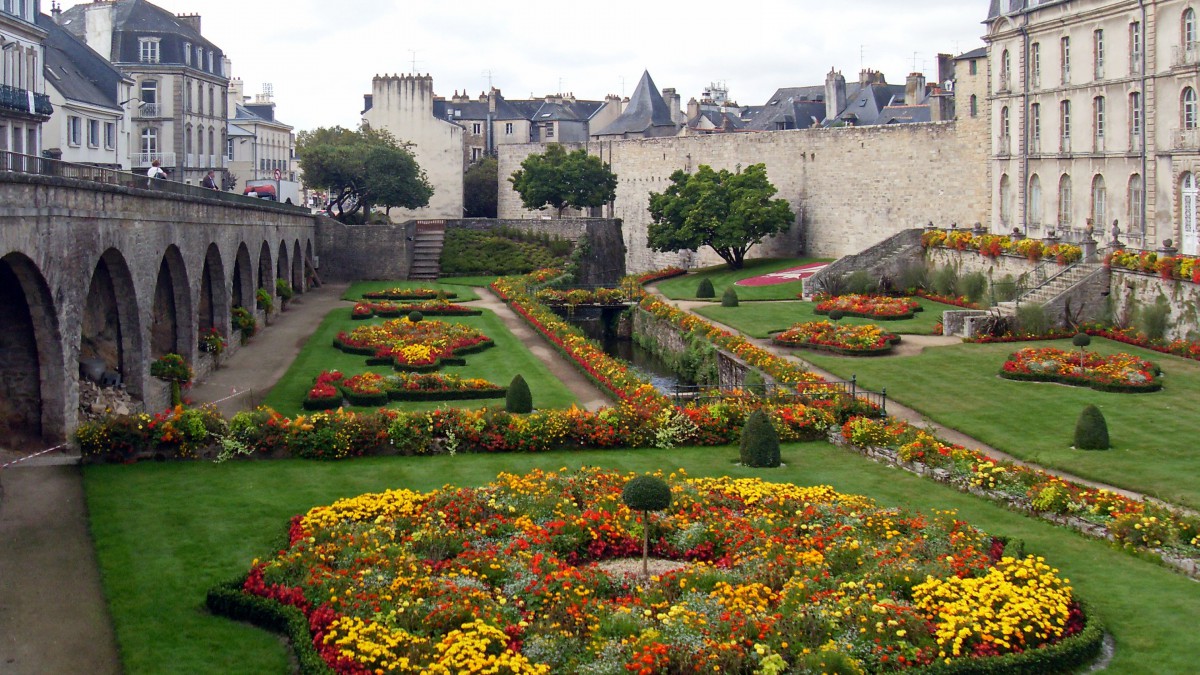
(156, 170)
(209, 181)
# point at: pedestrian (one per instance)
(209, 181)
(156, 170)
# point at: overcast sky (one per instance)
(320, 56)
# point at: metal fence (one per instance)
(775, 392)
(44, 166)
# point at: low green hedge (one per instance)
(450, 395)
(228, 600)
(322, 403)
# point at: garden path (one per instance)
(902, 412)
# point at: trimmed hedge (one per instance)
(1110, 387)
(230, 601)
(322, 403)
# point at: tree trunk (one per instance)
(646, 544)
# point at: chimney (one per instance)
(693, 109)
(835, 94)
(914, 89)
(192, 20)
(672, 99)
(368, 102)
(945, 67)
(56, 12)
(867, 77)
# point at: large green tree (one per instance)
(480, 189)
(729, 212)
(361, 168)
(558, 179)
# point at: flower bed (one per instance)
(388, 308)
(408, 294)
(416, 346)
(554, 297)
(371, 389)
(1169, 267)
(1123, 373)
(864, 340)
(512, 577)
(869, 306)
(994, 246)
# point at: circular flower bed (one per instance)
(408, 294)
(1116, 373)
(389, 308)
(517, 577)
(408, 345)
(864, 340)
(870, 306)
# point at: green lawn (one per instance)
(684, 287)
(1153, 435)
(761, 319)
(498, 365)
(460, 285)
(166, 532)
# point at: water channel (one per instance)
(598, 326)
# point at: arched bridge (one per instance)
(125, 274)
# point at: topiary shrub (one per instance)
(518, 400)
(1081, 340)
(415, 316)
(760, 441)
(730, 298)
(1091, 431)
(646, 494)
(705, 289)
(835, 315)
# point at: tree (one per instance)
(361, 168)
(646, 494)
(559, 179)
(729, 212)
(481, 188)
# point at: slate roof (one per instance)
(973, 54)
(724, 121)
(133, 19)
(866, 107)
(794, 107)
(76, 71)
(904, 114)
(250, 112)
(646, 110)
(1002, 7)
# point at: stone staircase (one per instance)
(888, 258)
(428, 237)
(1055, 289)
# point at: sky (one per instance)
(320, 56)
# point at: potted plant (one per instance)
(173, 369)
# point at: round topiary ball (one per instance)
(415, 316)
(1091, 431)
(646, 493)
(760, 441)
(836, 315)
(729, 298)
(518, 400)
(705, 289)
(1081, 340)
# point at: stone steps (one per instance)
(427, 251)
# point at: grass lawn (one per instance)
(461, 286)
(498, 365)
(761, 319)
(684, 287)
(166, 532)
(1153, 435)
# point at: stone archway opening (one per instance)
(170, 328)
(283, 269)
(243, 289)
(111, 346)
(212, 313)
(297, 269)
(310, 266)
(30, 345)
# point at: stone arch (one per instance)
(171, 325)
(31, 356)
(111, 328)
(213, 310)
(242, 288)
(283, 269)
(297, 268)
(310, 265)
(266, 280)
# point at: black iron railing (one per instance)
(775, 392)
(44, 166)
(12, 98)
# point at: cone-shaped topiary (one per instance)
(518, 400)
(705, 289)
(415, 316)
(1091, 431)
(760, 441)
(646, 494)
(730, 298)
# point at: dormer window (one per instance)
(148, 50)
(187, 53)
(200, 57)
(210, 62)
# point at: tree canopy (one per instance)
(729, 212)
(480, 189)
(361, 168)
(558, 179)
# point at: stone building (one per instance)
(24, 104)
(648, 114)
(1096, 118)
(91, 98)
(180, 116)
(259, 144)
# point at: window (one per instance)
(974, 105)
(212, 107)
(1098, 53)
(1098, 199)
(149, 144)
(149, 98)
(148, 50)
(1188, 28)
(508, 128)
(1005, 69)
(1098, 116)
(1035, 200)
(200, 58)
(1065, 59)
(1005, 200)
(229, 149)
(1004, 123)
(549, 130)
(1035, 64)
(212, 148)
(110, 135)
(1035, 122)
(1187, 108)
(1137, 197)
(187, 140)
(974, 68)
(187, 53)
(1135, 47)
(1064, 201)
(1135, 116)
(93, 133)
(74, 130)
(476, 128)
(476, 153)
(210, 62)
(1064, 114)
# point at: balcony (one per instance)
(1186, 55)
(17, 100)
(149, 110)
(142, 160)
(1187, 139)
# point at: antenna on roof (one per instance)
(488, 75)
(914, 68)
(862, 57)
(413, 52)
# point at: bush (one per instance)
(912, 278)
(1091, 431)
(1032, 319)
(730, 298)
(705, 289)
(262, 297)
(646, 493)
(945, 281)
(518, 400)
(415, 316)
(1153, 319)
(760, 441)
(284, 290)
(972, 286)
(1005, 290)
(862, 283)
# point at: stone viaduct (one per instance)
(125, 275)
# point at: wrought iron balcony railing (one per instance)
(23, 100)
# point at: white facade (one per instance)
(257, 147)
(1095, 119)
(87, 133)
(24, 105)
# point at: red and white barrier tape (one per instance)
(39, 454)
